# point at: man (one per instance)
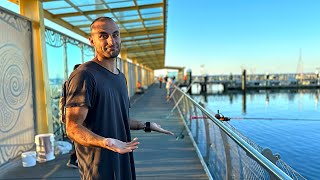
(168, 87)
(97, 110)
(160, 81)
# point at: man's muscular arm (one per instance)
(75, 117)
(137, 125)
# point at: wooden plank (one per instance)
(162, 156)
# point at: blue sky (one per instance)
(225, 36)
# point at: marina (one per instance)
(227, 124)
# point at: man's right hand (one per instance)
(120, 146)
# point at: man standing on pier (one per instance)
(97, 110)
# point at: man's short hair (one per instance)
(102, 18)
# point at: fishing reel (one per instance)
(221, 117)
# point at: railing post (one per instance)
(65, 57)
(82, 53)
(208, 144)
(227, 155)
(273, 158)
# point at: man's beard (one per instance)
(115, 54)
(109, 54)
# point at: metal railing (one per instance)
(226, 152)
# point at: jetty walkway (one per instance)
(160, 157)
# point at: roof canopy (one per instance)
(142, 23)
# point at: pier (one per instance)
(255, 81)
(159, 156)
(35, 64)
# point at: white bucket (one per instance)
(44, 147)
(28, 159)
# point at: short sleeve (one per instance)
(80, 89)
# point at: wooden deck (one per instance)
(159, 157)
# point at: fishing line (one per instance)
(224, 118)
(286, 119)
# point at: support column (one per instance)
(180, 75)
(33, 10)
(152, 76)
(142, 75)
(126, 68)
(148, 76)
(146, 73)
(135, 62)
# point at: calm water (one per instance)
(295, 138)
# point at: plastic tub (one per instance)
(44, 147)
(29, 159)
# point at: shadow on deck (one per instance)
(159, 156)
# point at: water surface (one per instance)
(287, 122)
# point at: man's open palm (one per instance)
(120, 146)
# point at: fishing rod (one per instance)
(221, 117)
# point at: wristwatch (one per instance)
(147, 127)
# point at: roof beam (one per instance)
(102, 11)
(128, 21)
(146, 54)
(158, 56)
(147, 59)
(142, 32)
(64, 24)
(145, 48)
(151, 63)
(142, 29)
(141, 39)
(175, 67)
(14, 1)
(151, 53)
(151, 58)
(142, 44)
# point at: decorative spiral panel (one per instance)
(15, 85)
(17, 123)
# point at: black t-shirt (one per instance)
(106, 96)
